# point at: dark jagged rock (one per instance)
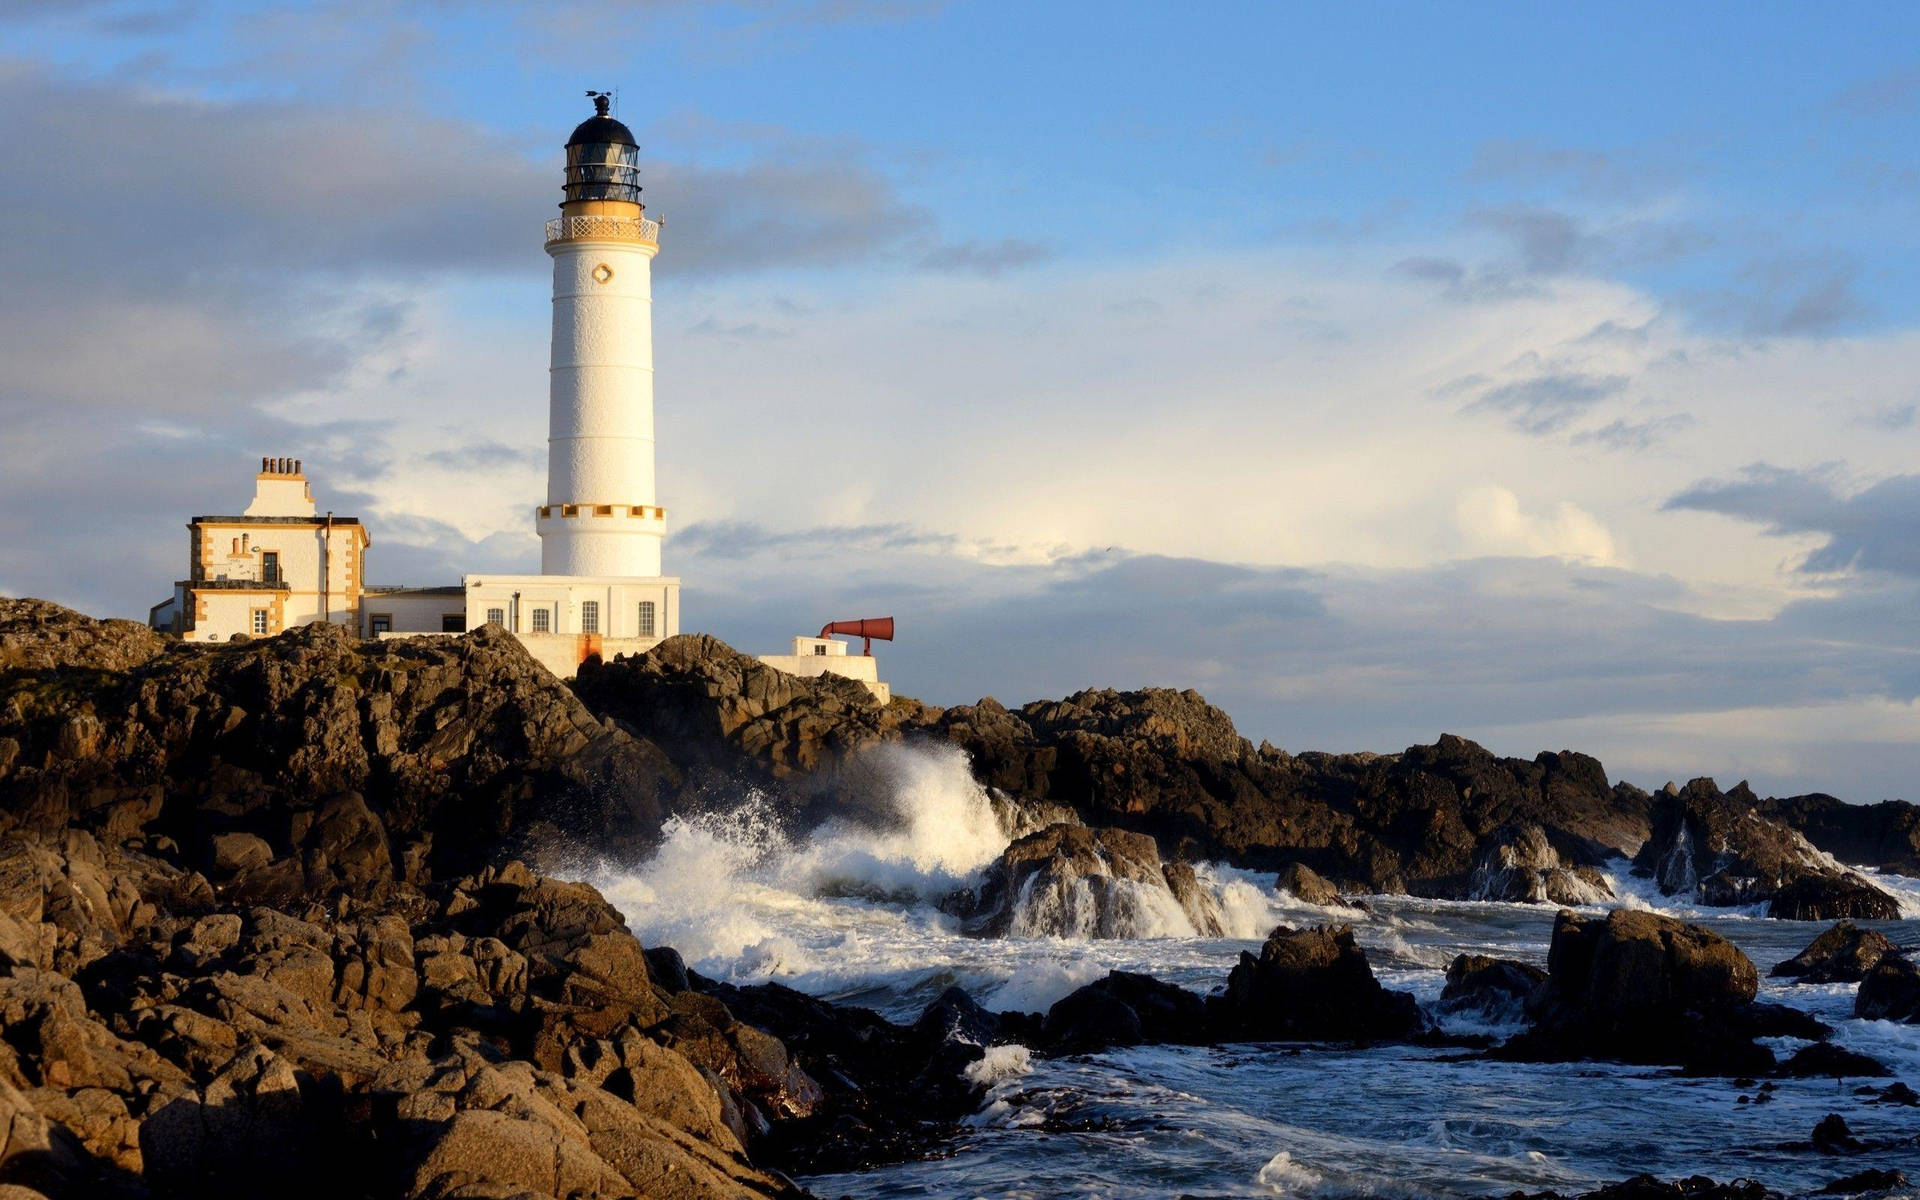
(724, 713)
(1843, 954)
(1865, 1181)
(1825, 1059)
(1314, 984)
(1307, 885)
(1825, 895)
(1169, 764)
(1897, 1093)
(1890, 991)
(1717, 848)
(1494, 987)
(1832, 1136)
(162, 1041)
(1643, 988)
(1648, 1187)
(38, 636)
(212, 746)
(888, 1091)
(1073, 881)
(1124, 1009)
(1519, 863)
(1885, 836)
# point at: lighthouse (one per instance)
(600, 590)
(601, 517)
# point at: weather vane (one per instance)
(601, 101)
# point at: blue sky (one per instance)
(1544, 374)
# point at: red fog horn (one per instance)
(866, 628)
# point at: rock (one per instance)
(1644, 988)
(1076, 882)
(1832, 1136)
(349, 842)
(1314, 984)
(1518, 863)
(1825, 896)
(1092, 1018)
(1308, 886)
(1885, 836)
(1497, 988)
(888, 1090)
(38, 636)
(956, 1017)
(1646, 1187)
(233, 853)
(1890, 991)
(723, 713)
(1897, 1093)
(1717, 848)
(667, 969)
(1125, 1009)
(234, 741)
(1865, 1181)
(517, 1130)
(1843, 954)
(1019, 817)
(1195, 899)
(1825, 1059)
(39, 1154)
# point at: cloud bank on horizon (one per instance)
(1375, 373)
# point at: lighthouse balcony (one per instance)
(604, 228)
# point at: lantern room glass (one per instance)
(603, 171)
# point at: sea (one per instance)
(847, 911)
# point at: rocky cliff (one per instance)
(260, 935)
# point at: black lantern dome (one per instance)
(603, 161)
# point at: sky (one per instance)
(1548, 375)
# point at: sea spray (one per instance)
(723, 884)
(936, 827)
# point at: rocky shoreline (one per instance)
(284, 917)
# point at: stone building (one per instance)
(277, 563)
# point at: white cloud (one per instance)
(1492, 522)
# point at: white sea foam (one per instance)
(1282, 1176)
(1905, 889)
(998, 1065)
(1041, 984)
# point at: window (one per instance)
(379, 623)
(542, 620)
(819, 649)
(496, 616)
(270, 566)
(258, 622)
(453, 622)
(645, 627)
(589, 616)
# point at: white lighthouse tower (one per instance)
(601, 518)
(600, 590)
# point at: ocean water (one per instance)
(847, 912)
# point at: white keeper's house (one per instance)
(600, 590)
